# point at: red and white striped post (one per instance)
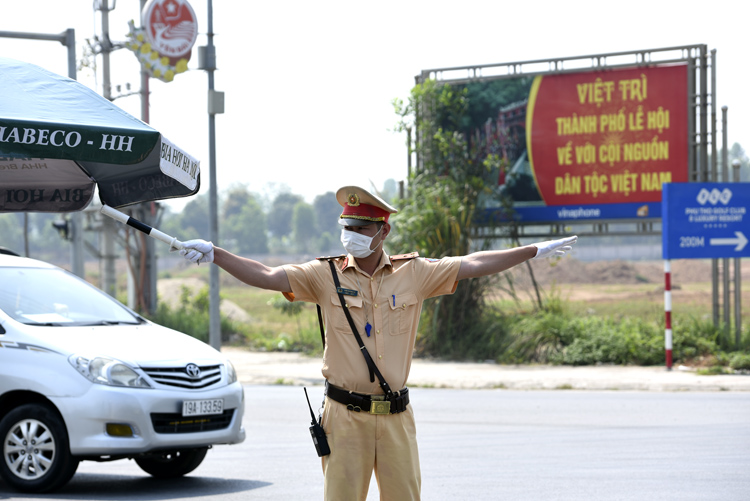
(668, 312)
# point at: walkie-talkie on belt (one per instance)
(318, 433)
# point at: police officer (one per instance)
(384, 296)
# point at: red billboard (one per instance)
(611, 136)
(595, 143)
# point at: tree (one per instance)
(193, 220)
(247, 230)
(243, 227)
(280, 215)
(11, 228)
(487, 97)
(236, 199)
(329, 244)
(44, 237)
(327, 212)
(437, 218)
(169, 223)
(304, 232)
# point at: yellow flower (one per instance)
(140, 37)
(154, 55)
(182, 65)
(168, 76)
(157, 73)
(146, 48)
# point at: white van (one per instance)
(82, 377)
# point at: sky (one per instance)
(309, 85)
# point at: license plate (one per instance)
(202, 407)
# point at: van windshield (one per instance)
(49, 296)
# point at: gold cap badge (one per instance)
(353, 200)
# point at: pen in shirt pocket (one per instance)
(394, 300)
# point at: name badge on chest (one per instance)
(346, 292)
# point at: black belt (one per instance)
(373, 404)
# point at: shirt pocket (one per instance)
(338, 317)
(402, 313)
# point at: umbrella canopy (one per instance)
(58, 139)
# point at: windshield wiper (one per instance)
(105, 322)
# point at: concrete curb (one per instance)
(296, 369)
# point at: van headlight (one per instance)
(104, 370)
(231, 373)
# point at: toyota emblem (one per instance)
(193, 371)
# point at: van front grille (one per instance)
(185, 377)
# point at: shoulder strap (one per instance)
(320, 315)
(322, 330)
(370, 363)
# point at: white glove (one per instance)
(551, 248)
(198, 251)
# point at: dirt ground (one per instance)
(169, 290)
(566, 273)
(596, 281)
(572, 271)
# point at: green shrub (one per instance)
(537, 337)
(305, 340)
(606, 341)
(695, 338)
(191, 316)
(506, 334)
(740, 362)
(714, 370)
(481, 339)
(555, 336)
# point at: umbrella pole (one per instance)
(148, 230)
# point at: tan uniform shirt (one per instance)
(390, 300)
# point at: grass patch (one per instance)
(613, 324)
(192, 317)
(715, 370)
(644, 309)
(740, 362)
(271, 329)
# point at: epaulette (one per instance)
(330, 257)
(401, 257)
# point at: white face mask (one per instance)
(356, 244)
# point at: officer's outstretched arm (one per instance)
(247, 270)
(480, 264)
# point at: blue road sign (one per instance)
(705, 220)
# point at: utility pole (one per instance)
(150, 209)
(107, 235)
(207, 62)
